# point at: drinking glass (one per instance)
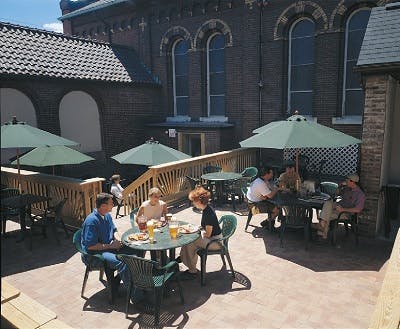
(142, 222)
(150, 230)
(173, 229)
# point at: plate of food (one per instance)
(188, 228)
(140, 236)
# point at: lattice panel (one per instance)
(340, 161)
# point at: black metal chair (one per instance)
(297, 217)
(7, 212)
(147, 275)
(229, 224)
(98, 264)
(233, 191)
(347, 219)
(52, 216)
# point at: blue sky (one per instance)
(41, 14)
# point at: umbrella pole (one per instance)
(53, 170)
(19, 171)
(297, 161)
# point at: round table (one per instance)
(219, 178)
(162, 241)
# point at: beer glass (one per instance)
(173, 229)
(150, 230)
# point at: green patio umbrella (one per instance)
(17, 134)
(150, 153)
(52, 156)
(297, 132)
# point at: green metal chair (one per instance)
(98, 265)
(329, 188)
(250, 173)
(146, 274)
(7, 212)
(229, 223)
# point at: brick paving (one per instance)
(274, 287)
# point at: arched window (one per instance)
(353, 96)
(216, 75)
(301, 66)
(180, 77)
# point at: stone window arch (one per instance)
(301, 9)
(80, 120)
(211, 26)
(171, 35)
(301, 66)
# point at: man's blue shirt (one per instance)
(96, 229)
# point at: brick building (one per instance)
(220, 70)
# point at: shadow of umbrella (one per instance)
(17, 134)
(52, 156)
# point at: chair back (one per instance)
(329, 188)
(77, 240)
(296, 215)
(250, 172)
(9, 192)
(193, 182)
(211, 169)
(229, 224)
(141, 270)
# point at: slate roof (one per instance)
(100, 4)
(37, 53)
(381, 44)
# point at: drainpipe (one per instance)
(261, 4)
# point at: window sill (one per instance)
(179, 118)
(348, 120)
(214, 119)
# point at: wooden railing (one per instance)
(170, 178)
(81, 194)
(387, 308)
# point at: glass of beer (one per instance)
(168, 217)
(150, 230)
(142, 223)
(173, 229)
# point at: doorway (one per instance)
(191, 143)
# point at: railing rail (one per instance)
(170, 177)
(387, 309)
(81, 194)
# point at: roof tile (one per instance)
(33, 52)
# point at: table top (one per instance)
(221, 176)
(317, 201)
(23, 200)
(162, 239)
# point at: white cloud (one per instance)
(55, 27)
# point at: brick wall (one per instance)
(376, 95)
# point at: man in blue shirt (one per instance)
(100, 236)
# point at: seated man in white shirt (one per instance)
(260, 191)
(116, 188)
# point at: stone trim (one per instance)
(303, 8)
(172, 34)
(212, 24)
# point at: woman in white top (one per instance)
(154, 208)
(116, 188)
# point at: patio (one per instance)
(274, 287)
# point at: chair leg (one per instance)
(281, 232)
(334, 232)
(203, 270)
(110, 277)
(128, 299)
(157, 304)
(101, 274)
(180, 289)
(65, 228)
(228, 257)
(85, 278)
(223, 260)
(307, 231)
(249, 216)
